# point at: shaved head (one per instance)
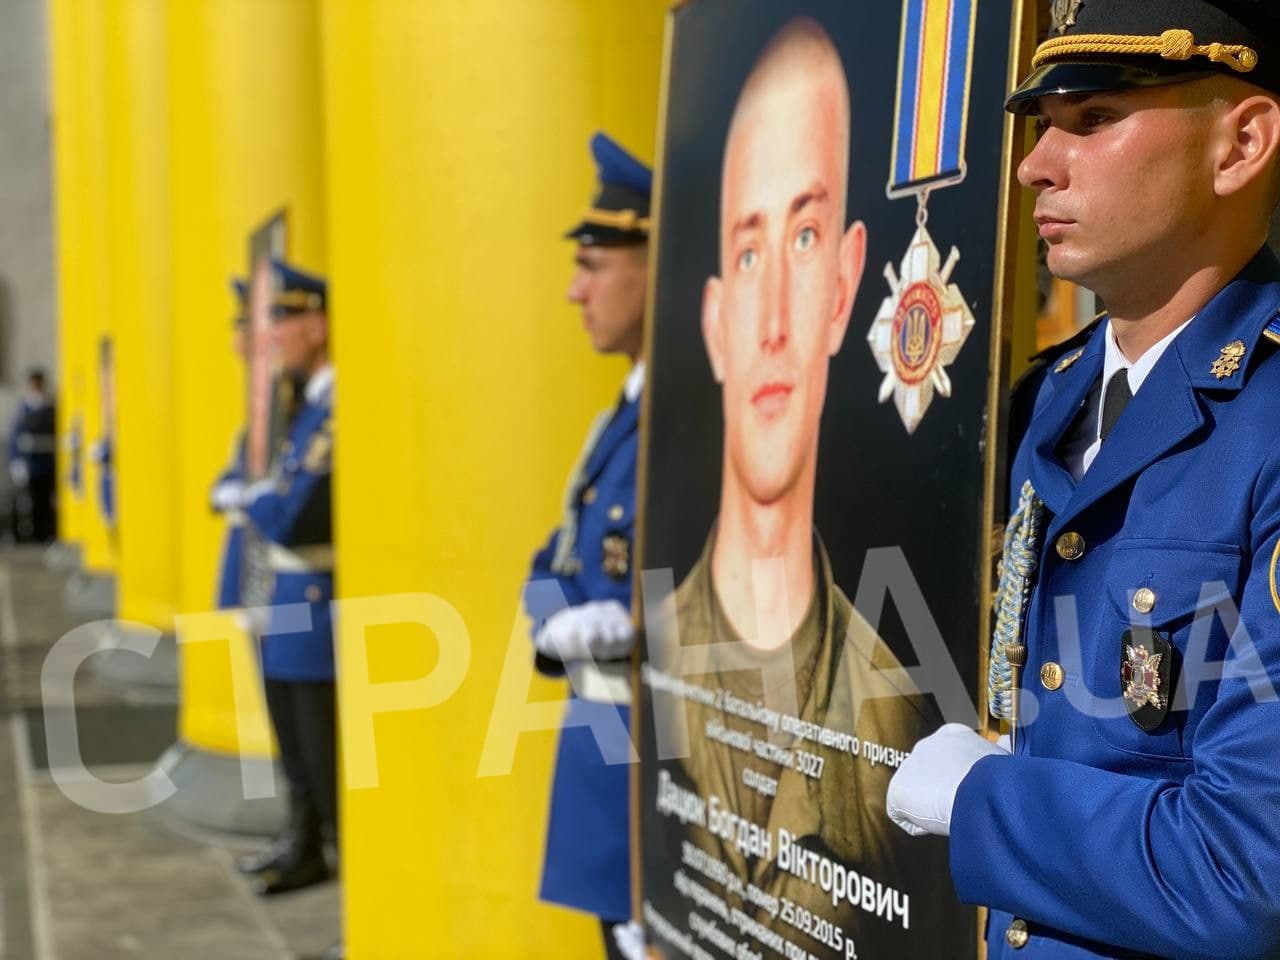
(800, 60)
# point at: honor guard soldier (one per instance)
(291, 511)
(31, 463)
(1139, 812)
(102, 453)
(579, 590)
(228, 489)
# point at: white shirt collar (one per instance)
(1139, 369)
(1078, 460)
(320, 385)
(634, 382)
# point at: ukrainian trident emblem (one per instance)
(925, 320)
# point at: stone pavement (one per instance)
(81, 885)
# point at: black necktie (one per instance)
(1114, 400)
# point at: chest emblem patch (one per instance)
(616, 551)
(1146, 664)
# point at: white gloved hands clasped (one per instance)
(923, 791)
(598, 630)
(227, 496)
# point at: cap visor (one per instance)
(594, 235)
(1097, 76)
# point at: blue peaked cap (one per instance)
(617, 167)
(297, 290)
(619, 213)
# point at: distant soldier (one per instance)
(31, 463)
(291, 511)
(579, 590)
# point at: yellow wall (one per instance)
(79, 166)
(247, 142)
(139, 308)
(457, 155)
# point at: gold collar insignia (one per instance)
(1067, 362)
(1228, 361)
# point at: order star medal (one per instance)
(1140, 674)
(925, 321)
(920, 329)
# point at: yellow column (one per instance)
(457, 156)
(139, 308)
(246, 143)
(79, 160)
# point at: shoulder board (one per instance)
(1272, 330)
(1075, 341)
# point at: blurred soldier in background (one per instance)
(579, 590)
(228, 490)
(102, 452)
(31, 463)
(290, 510)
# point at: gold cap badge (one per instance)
(1064, 14)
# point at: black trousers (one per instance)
(44, 520)
(34, 519)
(304, 717)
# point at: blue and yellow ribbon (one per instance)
(931, 118)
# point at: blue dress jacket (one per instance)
(587, 861)
(295, 517)
(1104, 836)
(231, 569)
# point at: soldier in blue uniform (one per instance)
(579, 590)
(1139, 813)
(103, 452)
(31, 463)
(228, 489)
(291, 511)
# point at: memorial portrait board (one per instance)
(269, 393)
(816, 466)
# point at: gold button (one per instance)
(616, 512)
(1070, 546)
(589, 496)
(1017, 936)
(312, 593)
(1051, 676)
(1144, 601)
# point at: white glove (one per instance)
(19, 473)
(228, 495)
(923, 791)
(629, 938)
(599, 630)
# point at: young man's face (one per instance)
(1124, 181)
(299, 338)
(609, 284)
(789, 273)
